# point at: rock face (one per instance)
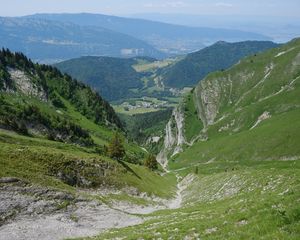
(208, 96)
(239, 98)
(174, 137)
(25, 85)
(31, 212)
(18, 199)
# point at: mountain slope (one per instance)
(234, 144)
(119, 79)
(49, 41)
(242, 113)
(39, 100)
(56, 174)
(112, 77)
(165, 37)
(220, 55)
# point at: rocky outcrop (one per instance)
(174, 137)
(32, 212)
(207, 95)
(26, 85)
(19, 199)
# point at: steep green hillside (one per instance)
(221, 55)
(54, 133)
(245, 111)
(40, 100)
(234, 144)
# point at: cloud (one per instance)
(223, 4)
(170, 4)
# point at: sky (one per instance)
(278, 8)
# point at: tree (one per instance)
(116, 149)
(151, 162)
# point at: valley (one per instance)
(177, 140)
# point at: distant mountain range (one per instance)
(51, 38)
(49, 41)
(169, 38)
(117, 79)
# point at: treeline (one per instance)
(141, 126)
(25, 117)
(86, 101)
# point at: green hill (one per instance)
(54, 133)
(243, 112)
(220, 55)
(118, 79)
(234, 143)
(112, 77)
(40, 100)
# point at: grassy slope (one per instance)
(235, 196)
(249, 203)
(247, 186)
(37, 160)
(192, 123)
(276, 138)
(197, 65)
(41, 161)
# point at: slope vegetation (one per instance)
(112, 77)
(220, 55)
(235, 143)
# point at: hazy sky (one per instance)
(124, 7)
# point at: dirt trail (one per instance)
(84, 218)
(88, 219)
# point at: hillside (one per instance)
(55, 163)
(171, 39)
(49, 41)
(230, 149)
(234, 145)
(257, 93)
(218, 56)
(119, 79)
(40, 100)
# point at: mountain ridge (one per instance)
(169, 38)
(52, 41)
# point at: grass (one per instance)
(139, 110)
(248, 181)
(253, 202)
(38, 161)
(275, 138)
(192, 123)
(146, 66)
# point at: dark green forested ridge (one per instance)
(117, 78)
(112, 77)
(34, 95)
